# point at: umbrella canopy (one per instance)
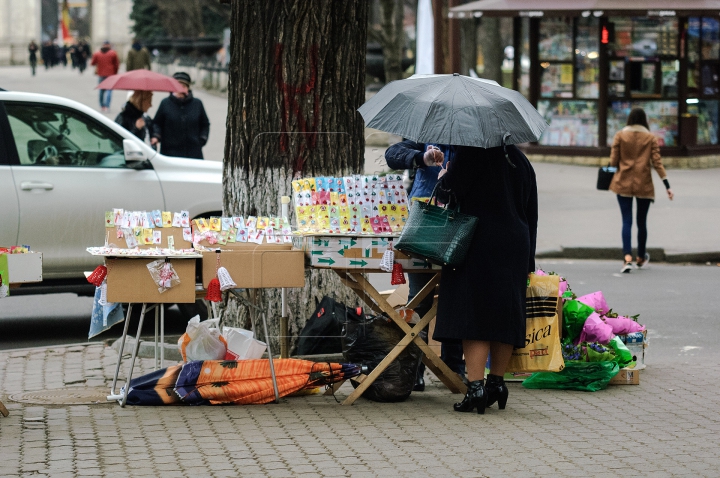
(140, 80)
(453, 109)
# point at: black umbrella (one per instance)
(453, 109)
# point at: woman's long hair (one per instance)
(637, 116)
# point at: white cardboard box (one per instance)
(25, 267)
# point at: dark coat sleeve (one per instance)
(159, 121)
(531, 213)
(405, 155)
(204, 125)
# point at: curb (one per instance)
(615, 253)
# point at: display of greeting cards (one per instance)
(357, 204)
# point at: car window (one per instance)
(50, 135)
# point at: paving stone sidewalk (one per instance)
(666, 426)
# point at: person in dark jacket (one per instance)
(181, 125)
(138, 57)
(132, 117)
(427, 161)
(482, 301)
(32, 50)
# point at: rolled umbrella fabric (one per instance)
(155, 388)
(140, 80)
(249, 381)
(453, 109)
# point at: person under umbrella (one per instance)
(132, 117)
(482, 300)
(181, 125)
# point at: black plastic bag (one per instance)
(367, 341)
(322, 331)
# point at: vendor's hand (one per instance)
(140, 123)
(443, 170)
(670, 194)
(433, 156)
(154, 141)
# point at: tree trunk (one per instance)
(492, 49)
(468, 46)
(296, 78)
(393, 37)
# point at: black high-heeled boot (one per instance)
(475, 397)
(496, 391)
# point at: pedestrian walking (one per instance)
(482, 301)
(181, 125)
(106, 63)
(427, 162)
(83, 53)
(138, 57)
(46, 53)
(32, 50)
(634, 151)
(132, 117)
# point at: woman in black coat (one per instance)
(482, 301)
(133, 117)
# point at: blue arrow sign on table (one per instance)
(326, 260)
(358, 263)
(380, 242)
(349, 242)
(316, 253)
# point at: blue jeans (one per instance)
(626, 206)
(105, 95)
(450, 353)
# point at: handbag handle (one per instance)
(433, 195)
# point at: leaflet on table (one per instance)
(228, 230)
(147, 228)
(356, 204)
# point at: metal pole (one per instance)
(284, 329)
(120, 354)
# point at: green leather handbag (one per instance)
(437, 234)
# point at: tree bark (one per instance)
(296, 78)
(468, 46)
(493, 53)
(393, 38)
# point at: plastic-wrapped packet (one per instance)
(164, 275)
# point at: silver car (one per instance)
(62, 165)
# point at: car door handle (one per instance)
(30, 185)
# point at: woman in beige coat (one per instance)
(634, 151)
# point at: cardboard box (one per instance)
(626, 376)
(257, 269)
(355, 252)
(25, 267)
(129, 281)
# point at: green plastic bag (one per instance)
(599, 353)
(623, 356)
(574, 315)
(583, 376)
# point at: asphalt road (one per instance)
(674, 302)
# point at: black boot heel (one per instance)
(474, 398)
(496, 391)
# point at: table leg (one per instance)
(162, 335)
(113, 394)
(134, 356)
(157, 312)
(447, 376)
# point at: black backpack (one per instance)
(323, 330)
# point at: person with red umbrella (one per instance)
(133, 117)
(106, 64)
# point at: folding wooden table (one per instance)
(356, 280)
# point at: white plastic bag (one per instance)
(202, 341)
(241, 345)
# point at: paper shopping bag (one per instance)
(542, 352)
